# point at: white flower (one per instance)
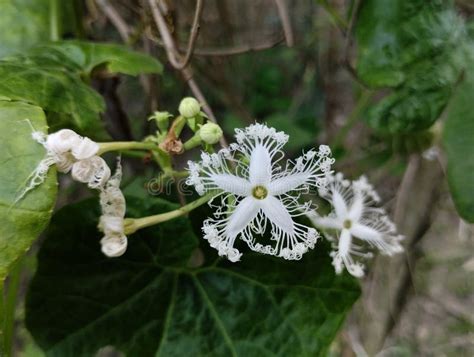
(94, 171)
(255, 192)
(111, 222)
(355, 217)
(69, 152)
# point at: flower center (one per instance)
(259, 192)
(347, 224)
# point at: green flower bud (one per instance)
(162, 120)
(210, 133)
(189, 107)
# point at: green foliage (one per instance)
(85, 57)
(299, 137)
(416, 49)
(23, 23)
(23, 221)
(458, 141)
(150, 302)
(51, 76)
(54, 90)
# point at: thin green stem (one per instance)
(354, 116)
(193, 142)
(163, 159)
(54, 20)
(8, 306)
(134, 224)
(125, 145)
(178, 125)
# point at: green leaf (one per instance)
(377, 39)
(22, 222)
(83, 57)
(23, 23)
(299, 137)
(116, 58)
(53, 89)
(416, 48)
(50, 76)
(149, 302)
(458, 141)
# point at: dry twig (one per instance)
(115, 18)
(174, 58)
(285, 20)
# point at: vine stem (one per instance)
(134, 224)
(125, 145)
(54, 20)
(7, 307)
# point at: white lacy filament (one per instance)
(354, 216)
(258, 193)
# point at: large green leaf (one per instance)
(23, 23)
(150, 302)
(84, 57)
(458, 140)
(377, 39)
(53, 89)
(414, 47)
(116, 58)
(21, 222)
(51, 76)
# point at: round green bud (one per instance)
(189, 107)
(210, 133)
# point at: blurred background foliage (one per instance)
(389, 84)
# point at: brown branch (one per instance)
(223, 51)
(194, 33)
(174, 58)
(386, 293)
(286, 22)
(115, 18)
(170, 46)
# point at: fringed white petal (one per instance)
(260, 169)
(342, 257)
(326, 222)
(387, 242)
(365, 232)
(231, 183)
(278, 214)
(357, 208)
(243, 214)
(287, 183)
(339, 204)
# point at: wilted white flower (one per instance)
(355, 216)
(255, 192)
(94, 171)
(111, 222)
(69, 152)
